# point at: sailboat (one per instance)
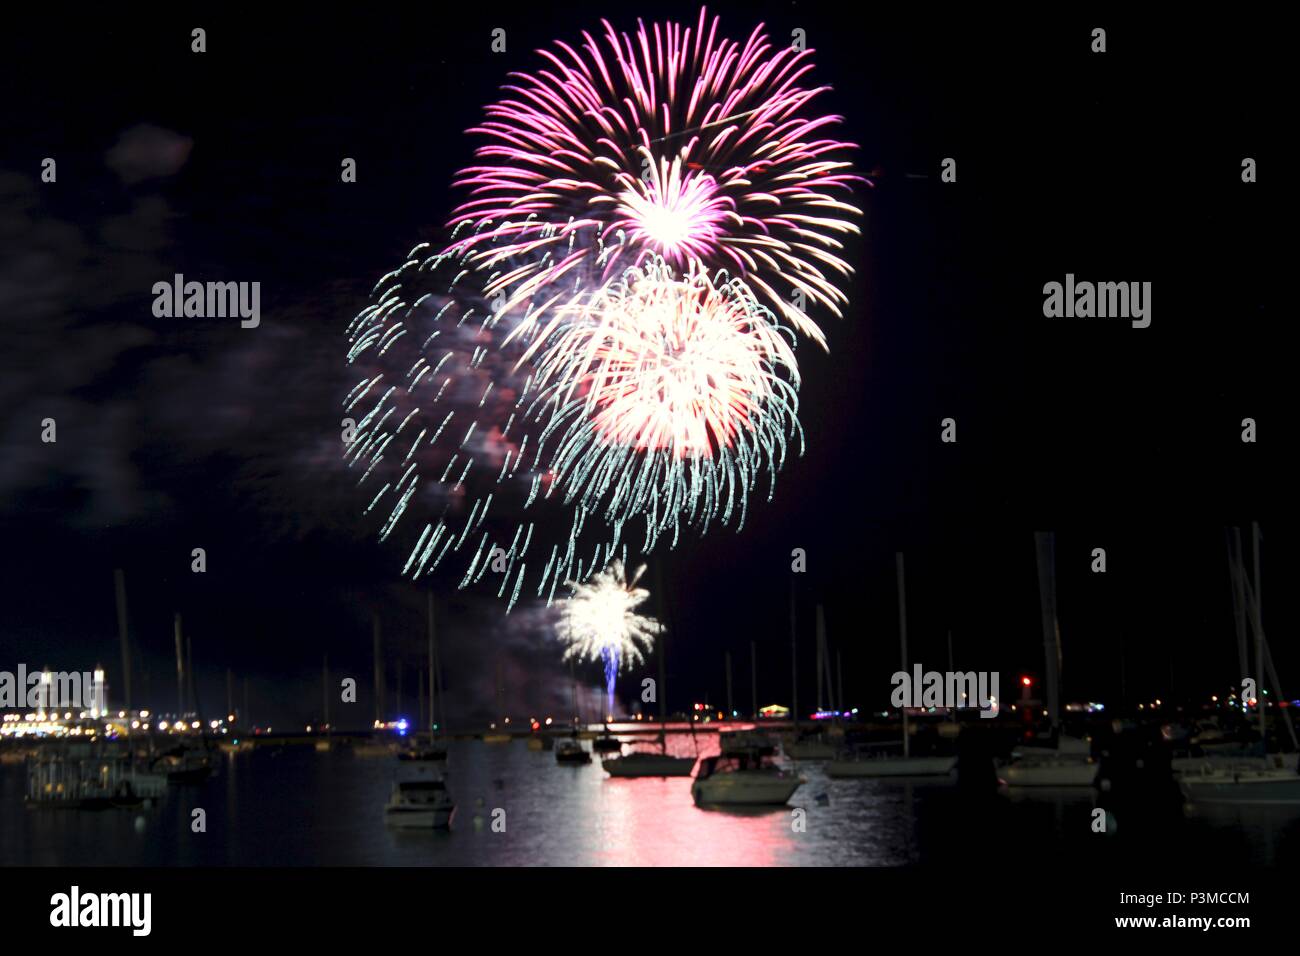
(495, 735)
(569, 750)
(1068, 761)
(868, 765)
(817, 745)
(1268, 779)
(436, 750)
(647, 763)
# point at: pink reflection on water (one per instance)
(652, 821)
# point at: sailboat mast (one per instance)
(573, 695)
(180, 666)
(500, 690)
(379, 668)
(839, 685)
(1257, 609)
(825, 655)
(433, 720)
(1235, 568)
(794, 663)
(119, 582)
(902, 640)
(663, 653)
(730, 710)
(1045, 544)
(820, 665)
(1250, 602)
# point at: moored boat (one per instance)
(432, 753)
(890, 766)
(570, 751)
(1260, 785)
(746, 780)
(1069, 764)
(421, 804)
(184, 765)
(643, 764)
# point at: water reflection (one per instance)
(299, 807)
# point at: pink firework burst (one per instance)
(673, 142)
(666, 397)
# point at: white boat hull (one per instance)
(419, 818)
(1269, 787)
(1200, 765)
(1049, 773)
(892, 767)
(753, 788)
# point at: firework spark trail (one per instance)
(437, 422)
(601, 343)
(656, 399)
(598, 621)
(667, 398)
(672, 142)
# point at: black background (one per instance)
(175, 434)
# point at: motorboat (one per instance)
(745, 780)
(420, 804)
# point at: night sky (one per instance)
(183, 433)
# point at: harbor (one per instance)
(286, 804)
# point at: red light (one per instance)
(1026, 681)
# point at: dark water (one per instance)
(295, 807)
